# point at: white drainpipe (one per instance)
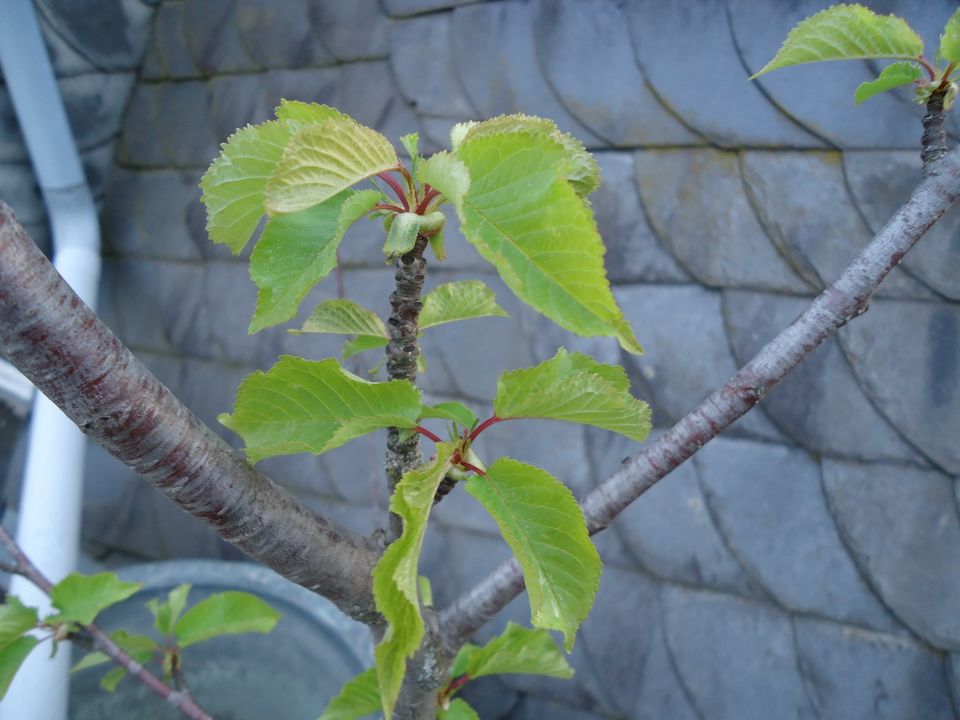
(51, 499)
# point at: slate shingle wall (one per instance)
(805, 565)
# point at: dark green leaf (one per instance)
(15, 619)
(358, 698)
(226, 613)
(110, 681)
(79, 598)
(458, 710)
(12, 656)
(402, 234)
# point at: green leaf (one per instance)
(575, 388)
(426, 590)
(12, 656)
(458, 132)
(402, 235)
(411, 143)
(458, 710)
(233, 186)
(305, 406)
(456, 411)
(296, 251)
(15, 619)
(461, 300)
(438, 245)
(892, 76)
(530, 223)
(140, 647)
(446, 173)
(358, 698)
(110, 681)
(300, 114)
(79, 598)
(395, 576)
(950, 39)
(579, 168)
(362, 343)
(518, 650)
(226, 613)
(343, 317)
(846, 32)
(166, 614)
(323, 160)
(542, 523)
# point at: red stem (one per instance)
(454, 685)
(945, 80)
(931, 70)
(388, 206)
(472, 468)
(427, 434)
(428, 196)
(397, 190)
(409, 178)
(492, 420)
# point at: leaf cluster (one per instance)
(854, 32)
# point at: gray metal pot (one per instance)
(289, 674)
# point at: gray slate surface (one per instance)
(806, 564)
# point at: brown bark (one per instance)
(54, 339)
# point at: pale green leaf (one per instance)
(438, 245)
(79, 598)
(411, 143)
(12, 656)
(950, 39)
(518, 650)
(361, 343)
(402, 234)
(458, 132)
(846, 32)
(446, 173)
(140, 647)
(461, 300)
(343, 317)
(456, 411)
(110, 681)
(395, 576)
(226, 613)
(892, 76)
(579, 167)
(358, 698)
(15, 619)
(306, 406)
(166, 613)
(323, 160)
(426, 591)
(458, 710)
(233, 186)
(529, 222)
(575, 388)
(301, 114)
(298, 250)
(541, 521)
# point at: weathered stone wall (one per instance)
(805, 565)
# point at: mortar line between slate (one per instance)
(206, 79)
(845, 352)
(859, 564)
(455, 70)
(806, 681)
(763, 90)
(41, 8)
(535, 46)
(753, 202)
(672, 659)
(752, 575)
(871, 231)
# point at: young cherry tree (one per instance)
(519, 188)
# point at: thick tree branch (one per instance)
(55, 340)
(846, 299)
(100, 640)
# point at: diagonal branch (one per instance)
(55, 340)
(843, 301)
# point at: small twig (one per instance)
(102, 642)
(428, 434)
(397, 190)
(931, 70)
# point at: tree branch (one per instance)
(101, 641)
(843, 301)
(73, 358)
